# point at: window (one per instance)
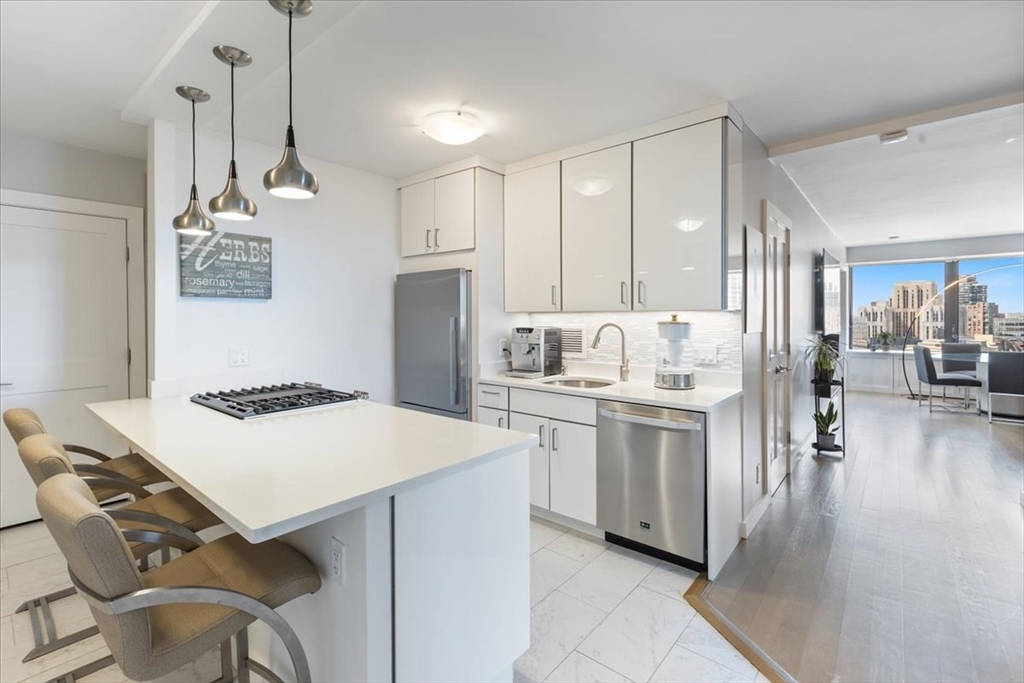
(978, 300)
(889, 298)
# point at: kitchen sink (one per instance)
(579, 382)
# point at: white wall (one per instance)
(810, 234)
(43, 166)
(334, 257)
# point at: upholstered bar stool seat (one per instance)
(156, 622)
(22, 423)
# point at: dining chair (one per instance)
(926, 374)
(158, 621)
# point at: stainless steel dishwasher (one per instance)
(650, 477)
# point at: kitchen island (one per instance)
(430, 515)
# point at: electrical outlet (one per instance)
(502, 347)
(338, 562)
(238, 358)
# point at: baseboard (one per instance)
(768, 667)
(751, 520)
(569, 522)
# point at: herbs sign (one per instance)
(225, 265)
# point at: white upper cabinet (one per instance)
(453, 212)
(417, 218)
(596, 193)
(678, 237)
(438, 214)
(533, 254)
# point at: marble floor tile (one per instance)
(543, 532)
(49, 565)
(683, 666)
(577, 668)
(110, 674)
(557, 625)
(702, 638)
(26, 589)
(669, 579)
(28, 551)
(638, 634)
(611, 577)
(580, 547)
(16, 641)
(548, 571)
(760, 678)
(22, 534)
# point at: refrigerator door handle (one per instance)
(453, 360)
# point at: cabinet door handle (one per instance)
(501, 423)
(641, 290)
(541, 435)
(428, 239)
(437, 238)
(622, 293)
(490, 393)
(553, 295)
(554, 439)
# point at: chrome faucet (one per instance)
(624, 365)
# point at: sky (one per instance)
(1005, 287)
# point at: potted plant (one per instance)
(886, 339)
(825, 358)
(825, 424)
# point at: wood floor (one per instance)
(905, 562)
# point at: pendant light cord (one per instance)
(289, 68)
(232, 111)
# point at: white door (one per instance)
(596, 231)
(454, 210)
(63, 333)
(678, 262)
(492, 417)
(573, 451)
(533, 247)
(417, 206)
(539, 480)
(778, 374)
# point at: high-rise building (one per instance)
(871, 320)
(972, 319)
(971, 292)
(907, 302)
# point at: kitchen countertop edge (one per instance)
(701, 399)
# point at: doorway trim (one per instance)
(135, 235)
(774, 222)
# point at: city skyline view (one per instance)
(1005, 287)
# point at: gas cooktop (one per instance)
(278, 398)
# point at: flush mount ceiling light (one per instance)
(593, 187)
(453, 127)
(290, 179)
(689, 224)
(193, 221)
(894, 237)
(232, 203)
(1010, 141)
(892, 137)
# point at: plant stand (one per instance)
(834, 389)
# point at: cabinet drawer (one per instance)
(492, 417)
(491, 396)
(556, 406)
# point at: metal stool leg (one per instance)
(227, 673)
(44, 632)
(84, 670)
(242, 655)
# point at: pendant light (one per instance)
(232, 203)
(290, 179)
(193, 221)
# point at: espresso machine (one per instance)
(536, 352)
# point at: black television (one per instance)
(828, 310)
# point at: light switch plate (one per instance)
(238, 358)
(338, 562)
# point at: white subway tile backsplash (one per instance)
(722, 330)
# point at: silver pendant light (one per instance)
(193, 221)
(232, 203)
(290, 179)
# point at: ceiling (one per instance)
(542, 75)
(961, 177)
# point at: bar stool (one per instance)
(146, 522)
(155, 622)
(22, 422)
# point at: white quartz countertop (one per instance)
(272, 475)
(700, 398)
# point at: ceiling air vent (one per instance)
(574, 342)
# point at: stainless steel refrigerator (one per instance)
(432, 345)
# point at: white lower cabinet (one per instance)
(573, 470)
(492, 417)
(539, 455)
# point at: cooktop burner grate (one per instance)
(278, 398)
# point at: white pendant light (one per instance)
(290, 179)
(193, 221)
(232, 203)
(453, 127)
